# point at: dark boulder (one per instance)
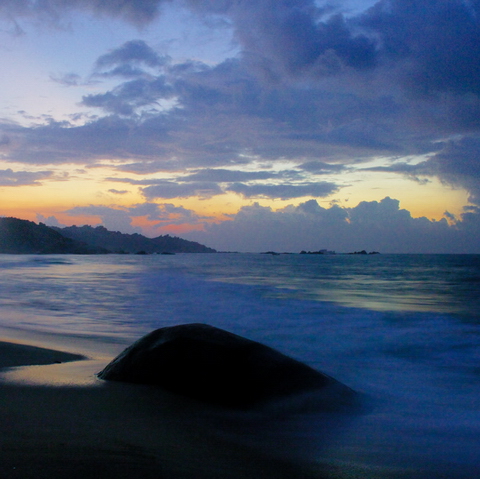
(215, 366)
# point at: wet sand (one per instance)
(57, 420)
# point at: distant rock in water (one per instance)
(364, 252)
(218, 367)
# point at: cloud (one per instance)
(5, 141)
(457, 164)
(9, 177)
(147, 167)
(169, 189)
(114, 219)
(371, 225)
(142, 88)
(221, 115)
(382, 226)
(132, 53)
(437, 46)
(211, 182)
(228, 176)
(117, 192)
(283, 38)
(129, 96)
(161, 217)
(67, 79)
(430, 51)
(167, 214)
(63, 142)
(308, 85)
(284, 191)
(134, 11)
(49, 221)
(321, 168)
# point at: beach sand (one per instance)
(57, 420)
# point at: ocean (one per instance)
(402, 330)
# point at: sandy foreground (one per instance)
(57, 420)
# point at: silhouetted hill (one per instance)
(118, 242)
(26, 237)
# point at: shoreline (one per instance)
(71, 424)
(58, 420)
(14, 354)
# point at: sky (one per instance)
(246, 125)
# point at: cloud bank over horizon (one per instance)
(375, 226)
(307, 100)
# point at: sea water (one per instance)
(402, 330)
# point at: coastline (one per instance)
(58, 420)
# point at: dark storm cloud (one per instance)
(285, 37)
(430, 51)
(436, 43)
